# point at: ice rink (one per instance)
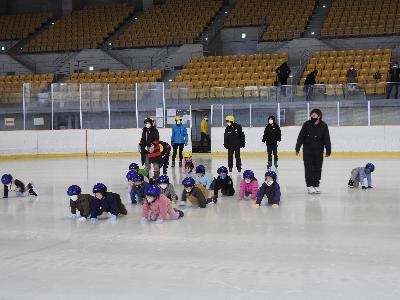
(342, 244)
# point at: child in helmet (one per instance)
(188, 168)
(106, 202)
(157, 206)
(271, 189)
(11, 184)
(139, 188)
(165, 152)
(203, 178)
(187, 157)
(167, 188)
(78, 201)
(358, 176)
(248, 185)
(135, 167)
(196, 194)
(179, 139)
(272, 135)
(224, 183)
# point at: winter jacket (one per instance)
(394, 75)
(197, 196)
(234, 137)
(283, 72)
(272, 192)
(166, 150)
(272, 134)
(351, 76)
(139, 192)
(361, 175)
(179, 135)
(311, 78)
(169, 192)
(158, 207)
(83, 205)
(251, 188)
(150, 140)
(225, 185)
(205, 180)
(204, 127)
(16, 185)
(111, 202)
(314, 138)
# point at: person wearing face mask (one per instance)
(204, 131)
(189, 166)
(234, 139)
(79, 202)
(248, 186)
(179, 139)
(351, 75)
(394, 80)
(167, 188)
(106, 202)
(157, 207)
(272, 135)
(197, 194)
(314, 137)
(150, 147)
(358, 176)
(138, 188)
(17, 186)
(271, 189)
(224, 183)
(203, 178)
(135, 168)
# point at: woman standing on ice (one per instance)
(314, 136)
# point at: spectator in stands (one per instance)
(309, 84)
(283, 72)
(204, 131)
(394, 80)
(351, 75)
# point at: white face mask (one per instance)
(178, 122)
(206, 119)
(163, 186)
(188, 189)
(150, 199)
(74, 197)
(269, 183)
(270, 121)
(148, 125)
(247, 180)
(228, 123)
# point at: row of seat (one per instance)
(27, 78)
(15, 27)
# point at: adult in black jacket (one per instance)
(234, 139)
(394, 79)
(314, 137)
(272, 135)
(150, 148)
(283, 72)
(309, 84)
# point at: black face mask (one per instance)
(314, 120)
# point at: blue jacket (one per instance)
(179, 135)
(139, 192)
(272, 192)
(205, 180)
(361, 175)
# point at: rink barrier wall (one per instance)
(346, 141)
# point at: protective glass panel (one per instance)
(38, 106)
(11, 106)
(353, 113)
(177, 103)
(261, 112)
(293, 114)
(123, 105)
(150, 103)
(385, 112)
(241, 113)
(329, 111)
(66, 106)
(95, 114)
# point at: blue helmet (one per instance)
(163, 179)
(137, 177)
(370, 166)
(271, 174)
(6, 179)
(153, 190)
(222, 170)
(74, 190)
(189, 164)
(130, 175)
(188, 181)
(133, 166)
(200, 169)
(99, 188)
(248, 174)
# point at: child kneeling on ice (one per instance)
(271, 189)
(139, 188)
(81, 202)
(167, 188)
(157, 206)
(106, 202)
(224, 183)
(135, 167)
(248, 186)
(203, 178)
(11, 184)
(358, 176)
(196, 194)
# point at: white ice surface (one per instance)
(342, 244)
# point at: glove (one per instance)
(275, 205)
(370, 187)
(82, 219)
(143, 221)
(112, 219)
(73, 216)
(93, 220)
(159, 221)
(255, 205)
(364, 187)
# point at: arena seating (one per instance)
(349, 18)
(284, 19)
(206, 75)
(86, 28)
(174, 23)
(16, 27)
(332, 67)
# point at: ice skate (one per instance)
(311, 190)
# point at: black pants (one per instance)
(237, 157)
(389, 90)
(272, 148)
(229, 191)
(175, 148)
(204, 137)
(313, 168)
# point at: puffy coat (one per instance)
(234, 137)
(179, 135)
(314, 138)
(272, 133)
(251, 188)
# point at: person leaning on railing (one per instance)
(309, 83)
(394, 80)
